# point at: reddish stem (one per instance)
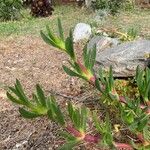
(90, 77)
(122, 99)
(88, 138)
(95, 139)
(73, 131)
(143, 106)
(92, 139)
(124, 146)
(148, 103)
(83, 68)
(141, 137)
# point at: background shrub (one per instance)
(41, 8)
(112, 5)
(10, 9)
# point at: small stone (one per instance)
(82, 31)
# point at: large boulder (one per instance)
(82, 31)
(125, 57)
(102, 42)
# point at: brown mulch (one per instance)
(31, 61)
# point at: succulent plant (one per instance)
(133, 113)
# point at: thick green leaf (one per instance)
(143, 121)
(41, 95)
(54, 39)
(20, 88)
(146, 94)
(97, 123)
(78, 68)
(51, 114)
(13, 99)
(139, 80)
(60, 29)
(27, 114)
(107, 88)
(57, 43)
(147, 75)
(13, 90)
(70, 72)
(92, 57)
(51, 35)
(111, 79)
(67, 136)
(86, 57)
(54, 111)
(69, 46)
(76, 119)
(70, 110)
(60, 117)
(69, 145)
(83, 119)
(35, 98)
(21, 95)
(48, 40)
(101, 75)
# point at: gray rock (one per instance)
(102, 43)
(125, 58)
(82, 31)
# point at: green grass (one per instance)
(138, 18)
(70, 15)
(28, 25)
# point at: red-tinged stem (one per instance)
(83, 68)
(96, 138)
(92, 139)
(148, 103)
(122, 99)
(73, 131)
(141, 137)
(143, 106)
(120, 146)
(88, 138)
(92, 79)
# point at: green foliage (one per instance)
(78, 69)
(133, 113)
(134, 116)
(83, 71)
(39, 105)
(10, 9)
(89, 58)
(130, 35)
(78, 117)
(105, 84)
(100, 4)
(58, 41)
(143, 83)
(69, 145)
(129, 5)
(104, 128)
(112, 5)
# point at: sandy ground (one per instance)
(31, 61)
